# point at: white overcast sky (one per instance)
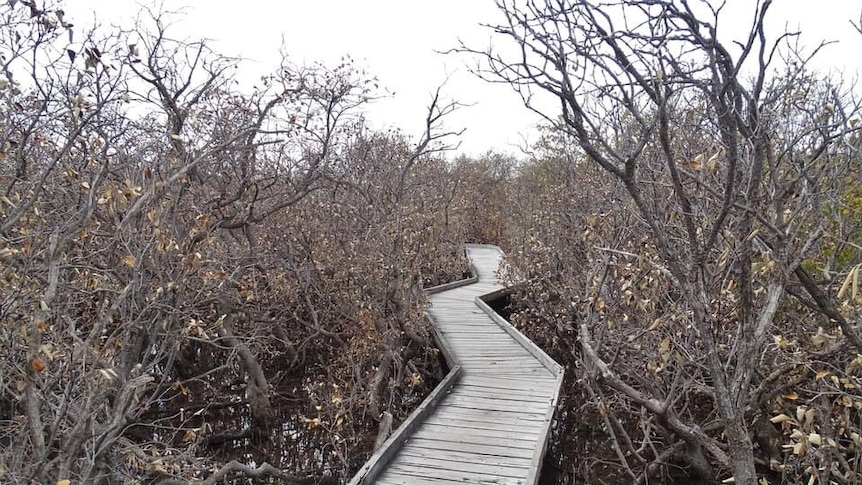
(397, 41)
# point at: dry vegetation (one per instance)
(200, 283)
(687, 238)
(203, 284)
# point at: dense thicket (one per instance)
(687, 238)
(201, 283)
(204, 283)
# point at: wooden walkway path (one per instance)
(488, 421)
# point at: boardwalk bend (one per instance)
(488, 421)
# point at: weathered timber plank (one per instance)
(494, 421)
(498, 363)
(501, 394)
(493, 357)
(458, 339)
(493, 353)
(466, 457)
(504, 395)
(433, 462)
(400, 478)
(525, 383)
(439, 427)
(498, 424)
(463, 476)
(462, 436)
(501, 451)
(470, 410)
(537, 373)
(481, 383)
(492, 404)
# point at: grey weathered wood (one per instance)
(535, 468)
(491, 424)
(454, 284)
(523, 429)
(520, 338)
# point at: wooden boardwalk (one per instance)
(488, 421)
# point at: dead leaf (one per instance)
(189, 435)
(664, 349)
(38, 365)
(695, 164)
(781, 418)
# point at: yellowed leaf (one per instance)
(64, 482)
(129, 261)
(312, 422)
(820, 338)
(694, 164)
(664, 349)
(851, 282)
(799, 449)
(781, 418)
(809, 417)
(189, 435)
(108, 374)
(713, 160)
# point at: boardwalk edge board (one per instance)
(510, 329)
(536, 464)
(455, 284)
(443, 345)
(391, 446)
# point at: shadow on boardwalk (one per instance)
(488, 421)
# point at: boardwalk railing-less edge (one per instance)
(488, 420)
